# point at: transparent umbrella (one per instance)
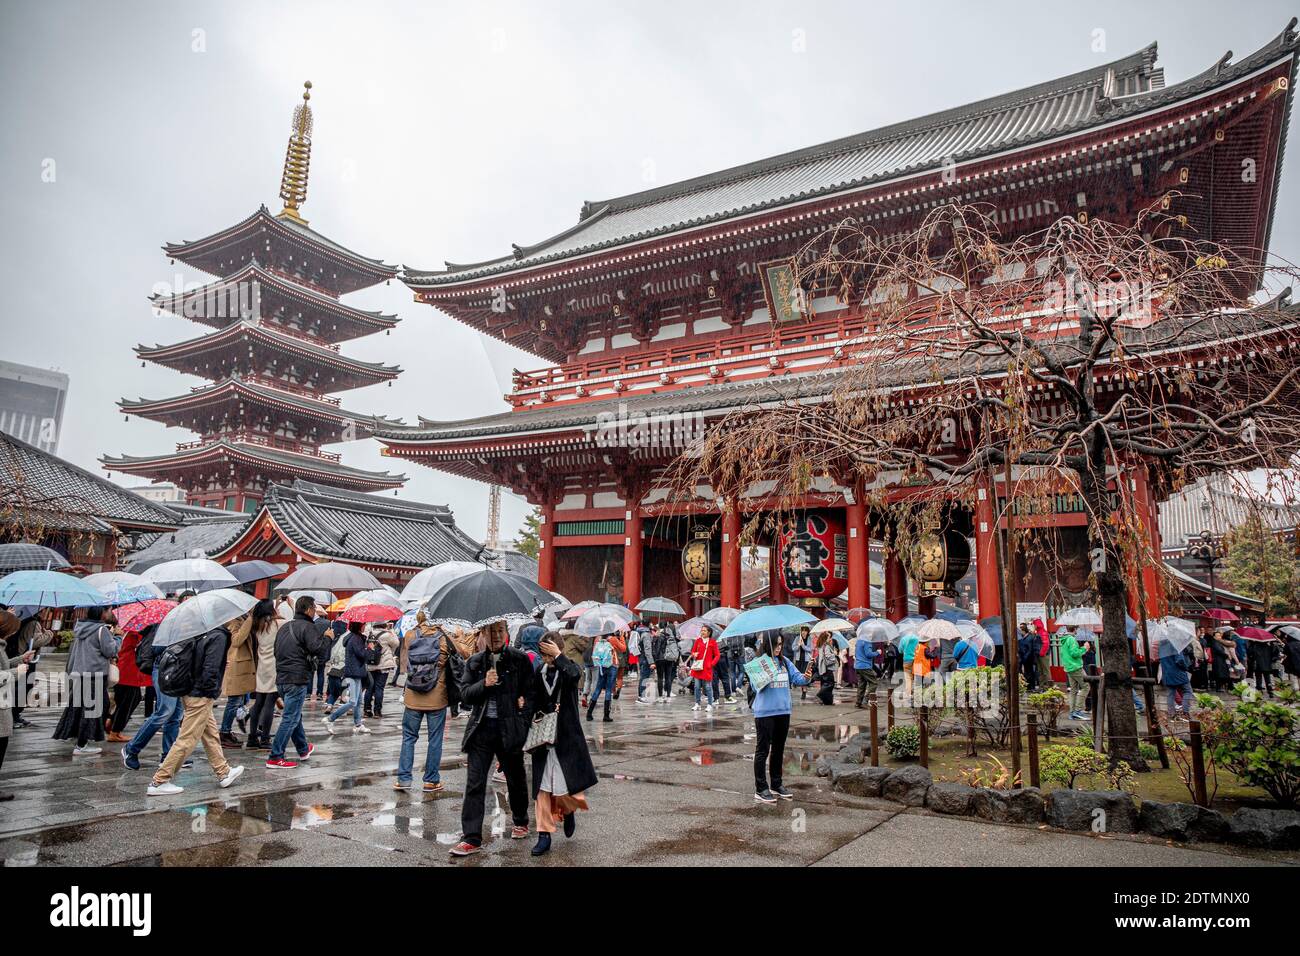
(577, 610)
(660, 605)
(189, 574)
(878, 630)
(1080, 617)
(201, 614)
(721, 616)
(330, 576)
(937, 629)
(603, 619)
(122, 587)
(322, 598)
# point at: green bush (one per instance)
(1259, 741)
(903, 742)
(1068, 764)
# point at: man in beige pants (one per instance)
(199, 723)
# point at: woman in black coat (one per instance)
(562, 773)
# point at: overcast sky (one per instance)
(449, 131)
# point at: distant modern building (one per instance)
(31, 404)
(165, 492)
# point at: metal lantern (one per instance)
(941, 561)
(814, 557)
(700, 564)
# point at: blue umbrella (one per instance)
(955, 615)
(770, 617)
(48, 589)
(246, 572)
(994, 626)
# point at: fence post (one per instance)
(1198, 765)
(889, 711)
(1032, 720)
(875, 732)
(923, 723)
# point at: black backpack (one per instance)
(176, 668)
(144, 655)
(422, 664)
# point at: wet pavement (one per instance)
(675, 787)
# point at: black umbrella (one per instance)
(246, 572)
(25, 556)
(476, 600)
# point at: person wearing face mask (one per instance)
(498, 686)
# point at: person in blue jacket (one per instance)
(966, 655)
(1177, 678)
(771, 708)
(864, 662)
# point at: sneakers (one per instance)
(163, 789)
(360, 729)
(644, 700)
(329, 724)
(233, 774)
(519, 833)
(1078, 715)
(464, 849)
(783, 793)
(697, 707)
(432, 787)
(499, 777)
(731, 700)
(281, 764)
(129, 760)
(708, 709)
(765, 796)
(86, 751)
(311, 749)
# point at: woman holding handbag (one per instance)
(94, 648)
(562, 768)
(704, 657)
(826, 659)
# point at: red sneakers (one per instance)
(311, 749)
(519, 833)
(464, 849)
(283, 764)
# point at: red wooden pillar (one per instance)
(925, 606)
(855, 519)
(986, 555)
(731, 559)
(546, 548)
(895, 587)
(776, 574)
(632, 545)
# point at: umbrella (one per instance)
(1290, 631)
(554, 626)
(831, 624)
(602, 619)
(937, 629)
(48, 589)
(370, 613)
(769, 618)
(138, 616)
(331, 576)
(421, 587)
(955, 615)
(246, 572)
(322, 598)
(475, 600)
(577, 610)
(721, 616)
(910, 623)
(25, 556)
(122, 587)
(1255, 634)
(406, 622)
(993, 627)
(189, 574)
(1173, 631)
(561, 602)
(978, 638)
(382, 596)
(337, 606)
(201, 614)
(878, 630)
(1219, 614)
(660, 605)
(691, 629)
(1080, 617)
(858, 614)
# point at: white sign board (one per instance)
(1027, 611)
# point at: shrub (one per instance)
(994, 775)
(1258, 741)
(903, 742)
(1049, 705)
(1068, 764)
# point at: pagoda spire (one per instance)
(297, 159)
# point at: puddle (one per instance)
(827, 733)
(707, 757)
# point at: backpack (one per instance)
(634, 644)
(144, 656)
(176, 666)
(422, 664)
(374, 653)
(338, 656)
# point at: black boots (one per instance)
(591, 708)
(570, 823)
(543, 844)
(608, 719)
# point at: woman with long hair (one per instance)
(771, 707)
(266, 623)
(354, 676)
(94, 649)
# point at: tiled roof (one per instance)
(351, 526)
(1065, 106)
(208, 534)
(288, 460)
(236, 389)
(80, 496)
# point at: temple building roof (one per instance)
(1094, 98)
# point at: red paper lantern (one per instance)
(814, 556)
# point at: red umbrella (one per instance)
(1219, 614)
(1255, 634)
(857, 615)
(138, 616)
(369, 613)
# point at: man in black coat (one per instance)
(299, 647)
(498, 686)
(199, 723)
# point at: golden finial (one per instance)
(297, 159)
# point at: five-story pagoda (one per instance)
(271, 353)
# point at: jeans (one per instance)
(166, 717)
(606, 681)
(643, 676)
(707, 687)
(737, 672)
(375, 694)
(319, 685)
(769, 750)
(434, 721)
(354, 703)
(290, 721)
(1186, 690)
(233, 703)
(335, 690)
(484, 750)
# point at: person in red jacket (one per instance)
(129, 689)
(704, 655)
(1044, 654)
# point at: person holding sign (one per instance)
(771, 709)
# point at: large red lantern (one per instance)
(814, 557)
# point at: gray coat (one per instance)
(94, 647)
(10, 683)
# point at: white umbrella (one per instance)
(937, 629)
(603, 619)
(976, 637)
(331, 576)
(660, 605)
(878, 630)
(831, 624)
(421, 587)
(1080, 617)
(322, 598)
(122, 584)
(201, 614)
(189, 574)
(381, 596)
(1174, 631)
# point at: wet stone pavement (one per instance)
(676, 787)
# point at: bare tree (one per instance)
(1086, 359)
